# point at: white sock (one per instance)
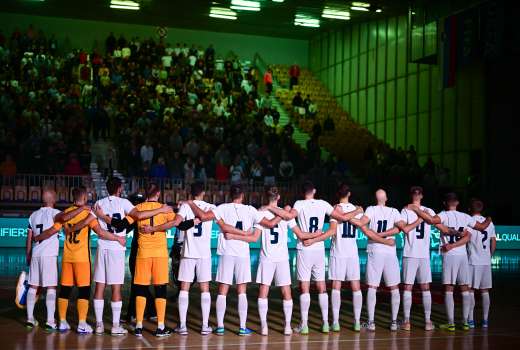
(305, 303)
(50, 303)
(99, 304)
(395, 303)
(407, 304)
(371, 303)
(450, 307)
(221, 310)
(357, 300)
(335, 299)
(465, 306)
(242, 309)
(262, 311)
(183, 301)
(427, 304)
(486, 302)
(287, 311)
(471, 306)
(205, 305)
(31, 300)
(324, 306)
(116, 312)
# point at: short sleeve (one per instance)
(184, 210)
(257, 215)
(327, 207)
(57, 225)
(471, 221)
(292, 223)
(430, 211)
(218, 212)
(404, 215)
(129, 219)
(397, 216)
(491, 230)
(127, 206)
(369, 213)
(56, 212)
(170, 216)
(443, 217)
(93, 224)
(297, 206)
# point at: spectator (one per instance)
(286, 168)
(256, 171)
(268, 81)
(221, 172)
(73, 166)
(189, 171)
(297, 100)
(147, 153)
(8, 166)
(328, 124)
(236, 171)
(159, 169)
(269, 172)
(294, 74)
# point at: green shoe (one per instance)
(325, 328)
(357, 327)
(465, 326)
(450, 327)
(335, 327)
(303, 330)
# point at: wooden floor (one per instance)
(504, 331)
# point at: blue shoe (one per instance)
(471, 324)
(485, 324)
(244, 331)
(219, 331)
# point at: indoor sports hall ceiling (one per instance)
(271, 17)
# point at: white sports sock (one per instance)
(242, 309)
(205, 305)
(395, 303)
(427, 304)
(465, 306)
(407, 304)
(99, 304)
(371, 303)
(335, 299)
(116, 307)
(450, 307)
(471, 306)
(357, 301)
(287, 311)
(221, 310)
(324, 306)
(486, 302)
(31, 300)
(262, 311)
(50, 303)
(183, 301)
(305, 303)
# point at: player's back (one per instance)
(458, 221)
(116, 208)
(311, 218)
(77, 243)
(197, 240)
(382, 218)
(39, 221)
(154, 244)
(275, 240)
(417, 241)
(344, 242)
(480, 243)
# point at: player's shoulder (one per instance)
(347, 207)
(429, 210)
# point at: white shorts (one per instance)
(189, 267)
(109, 267)
(480, 276)
(310, 263)
(344, 269)
(233, 266)
(455, 269)
(279, 270)
(416, 269)
(381, 264)
(43, 271)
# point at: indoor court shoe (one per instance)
(371, 326)
(64, 326)
(181, 330)
(429, 326)
(264, 331)
(118, 330)
(287, 330)
(244, 332)
(485, 324)
(357, 327)
(335, 327)
(84, 328)
(406, 326)
(164, 332)
(50, 327)
(301, 329)
(465, 326)
(30, 324)
(100, 328)
(205, 330)
(138, 331)
(220, 331)
(471, 324)
(325, 328)
(450, 327)
(393, 326)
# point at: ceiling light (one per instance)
(124, 5)
(379, 10)
(277, 0)
(222, 12)
(245, 3)
(336, 13)
(358, 8)
(360, 4)
(306, 21)
(216, 15)
(244, 8)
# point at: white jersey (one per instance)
(39, 221)
(480, 243)
(344, 242)
(243, 217)
(117, 208)
(417, 241)
(311, 217)
(458, 221)
(382, 219)
(274, 240)
(197, 240)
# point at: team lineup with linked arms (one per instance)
(467, 244)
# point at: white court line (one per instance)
(204, 346)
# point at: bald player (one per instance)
(42, 257)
